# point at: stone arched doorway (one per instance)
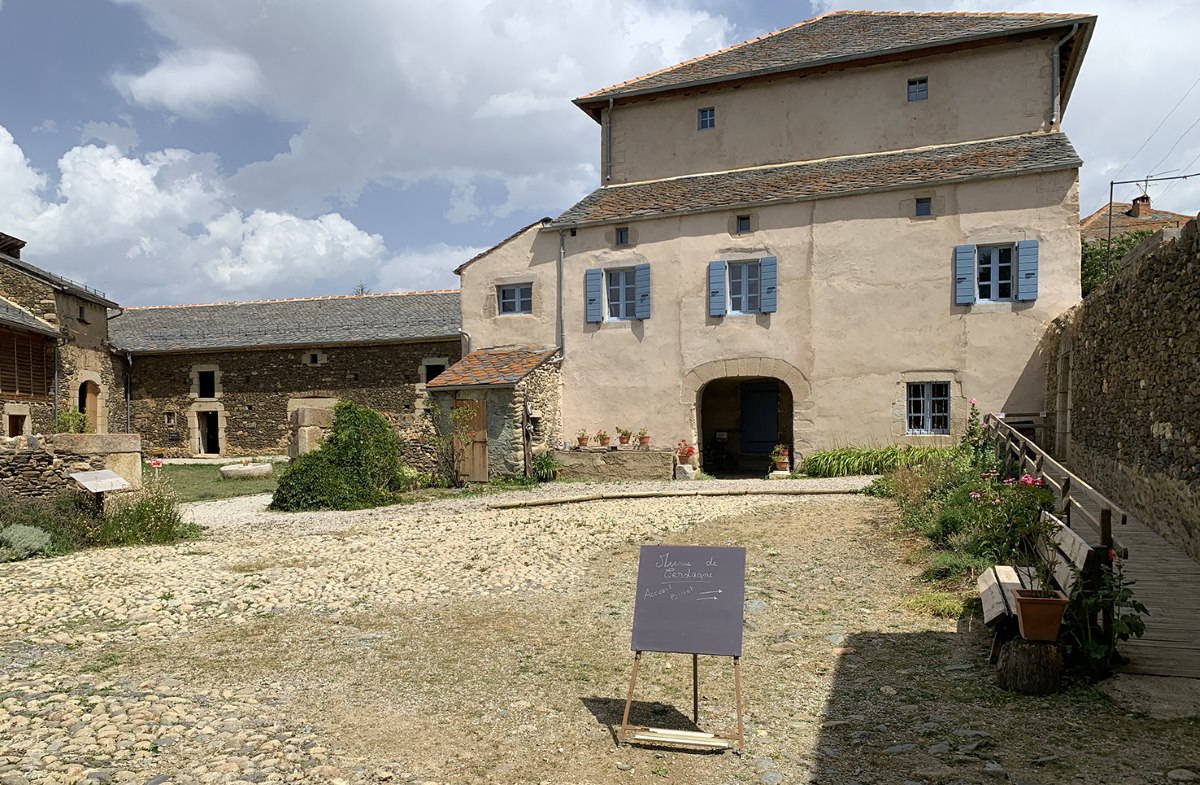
(89, 404)
(743, 407)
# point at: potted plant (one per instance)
(1039, 611)
(643, 437)
(582, 437)
(623, 435)
(781, 457)
(684, 451)
(602, 437)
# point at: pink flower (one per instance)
(972, 401)
(1009, 481)
(1026, 479)
(996, 500)
(974, 495)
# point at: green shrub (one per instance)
(846, 461)
(71, 421)
(68, 518)
(358, 466)
(953, 566)
(21, 542)
(545, 466)
(149, 516)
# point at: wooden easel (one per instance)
(647, 735)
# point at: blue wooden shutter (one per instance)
(641, 291)
(716, 288)
(593, 292)
(766, 284)
(1027, 270)
(964, 274)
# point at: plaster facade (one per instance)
(838, 112)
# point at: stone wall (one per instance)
(41, 466)
(1123, 388)
(599, 465)
(258, 389)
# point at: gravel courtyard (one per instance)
(444, 642)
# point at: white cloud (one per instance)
(430, 267)
(122, 137)
(46, 126)
(194, 82)
(386, 91)
(163, 228)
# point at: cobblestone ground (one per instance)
(70, 712)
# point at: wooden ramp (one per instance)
(1167, 579)
(1168, 583)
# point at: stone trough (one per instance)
(249, 471)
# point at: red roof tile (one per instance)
(500, 366)
(1095, 226)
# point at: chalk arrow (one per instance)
(718, 591)
(705, 598)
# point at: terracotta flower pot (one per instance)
(782, 465)
(643, 440)
(583, 441)
(623, 439)
(605, 442)
(1039, 617)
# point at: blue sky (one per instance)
(178, 151)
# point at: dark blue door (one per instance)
(760, 417)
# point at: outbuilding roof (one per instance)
(826, 178)
(18, 318)
(1095, 226)
(10, 245)
(501, 366)
(844, 36)
(308, 321)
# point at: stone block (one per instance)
(308, 439)
(684, 471)
(95, 443)
(249, 471)
(311, 417)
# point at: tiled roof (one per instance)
(1095, 226)
(56, 281)
(458, 270)
(835, 37)
(825, 178)
(17, 317)
(312, 321)
(501, 366)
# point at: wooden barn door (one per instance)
(475, 460)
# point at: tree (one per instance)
(361, 288)
(1097, 263)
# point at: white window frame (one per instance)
(706, 118)
(918, 89)
(920, 420)
(987, 258)
(514, 294)
(622, 281)
(747, 275)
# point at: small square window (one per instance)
(82, 315)
(515, 299)
(206, 381)
(622, 235)
(924, 206)
(918, 89)
(928, 408)
(314, 359)
(706, 118)
(433, 371)
(743, 224)
(169, 419)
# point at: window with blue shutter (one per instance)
(964, 274)
(593, 292)
(1027, 270)
(716, 288)
(641, 291)
(767, 277)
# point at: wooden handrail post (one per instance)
(1106, 541)
(1066, 499)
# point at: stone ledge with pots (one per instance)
(623, 462)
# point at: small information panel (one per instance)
(689, 600)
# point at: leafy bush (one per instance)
(1096, 261)
(358, 466)
(953, 565)
(71, 421)
(846, 461)
(69, 520)
(149, 516)
(1090, 651)
(19, 541)
(546, 466)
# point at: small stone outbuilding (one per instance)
(514, 393)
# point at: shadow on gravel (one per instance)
(608, 711)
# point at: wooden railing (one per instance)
(1079, 502)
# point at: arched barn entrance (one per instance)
(741, 419)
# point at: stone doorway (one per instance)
(208, 429)
(89, 404)
(741, 419)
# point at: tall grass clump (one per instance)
(357, 467)
(149, 516)
(847, 461)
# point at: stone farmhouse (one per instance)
(837, 233)
(1135, 216)
(54, 350)
(224, 378)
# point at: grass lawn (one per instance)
(201, 482)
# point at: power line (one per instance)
(1185, 167)
(1177, 141)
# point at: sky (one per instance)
(173, 151)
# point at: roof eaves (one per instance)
(816, 197)
(197, 349)
(1077, 55)
(595, 99)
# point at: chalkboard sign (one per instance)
(689, 600)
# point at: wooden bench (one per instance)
(1071, 558)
